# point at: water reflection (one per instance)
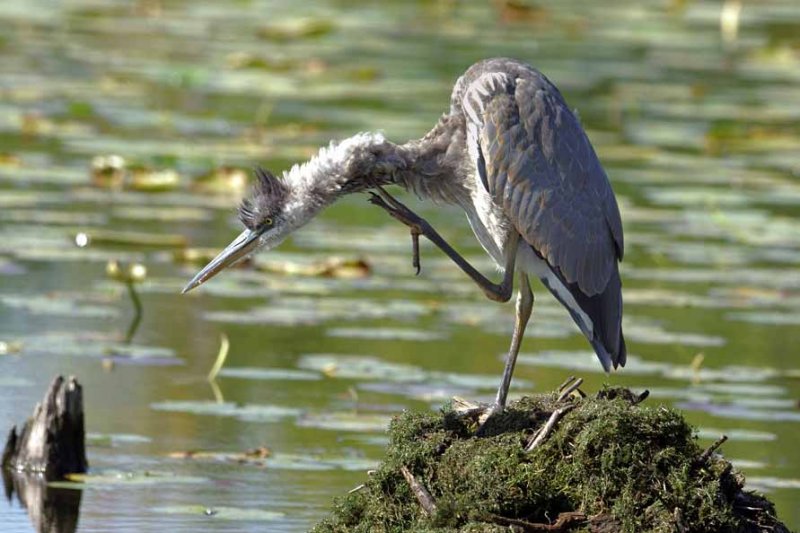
(51, 510)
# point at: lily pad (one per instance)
(361, 367)
(294, 461)
(387, 334)
(113, 440)
(62, 305)
(222, 513)
(346, 421)
(736, 434)
(246, 412)
(742, 412)
(769, 318)
(104, 479)
(768, 484)
(269, 374)
(134, 238)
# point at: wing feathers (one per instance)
(537, 163)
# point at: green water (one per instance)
(697, 128)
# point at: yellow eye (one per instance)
(267, 221)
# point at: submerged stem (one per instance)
(138, 311)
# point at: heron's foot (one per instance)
(478, 412)
(401, 212)
(487, 415)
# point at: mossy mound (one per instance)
(609, 465)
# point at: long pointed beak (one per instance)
(242, 245)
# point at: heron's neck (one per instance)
(435, 162)
(362, 161)
(351, 165)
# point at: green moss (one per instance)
(633, 468)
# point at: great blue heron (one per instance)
(516, 159)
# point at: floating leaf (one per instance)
(736, 434)
(270, 374)
(102, 480)
(386, 334)
(246, 412)
(332, 267)
(345, 421)
(10, 347)
(148, 180)
(741, 412)
(255, 456)
(134, 238)
(221, 513)
(767, 484)
(14, 381)
(770, 318)
(360, 367)
(112, 440)
(296, 29)
(142, 352)
(62, 304)
(162, 214)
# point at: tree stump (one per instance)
(53, 441)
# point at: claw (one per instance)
(398, 210)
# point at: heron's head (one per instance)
(269, 215)
(278, 206)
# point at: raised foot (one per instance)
(401, 212)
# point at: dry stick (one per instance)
(711, 449)
(465, 407)
(564, 522)
(642, 397)
(423, 496)
(548, 427)
(569, 390)
(566, 382)
(356, 489)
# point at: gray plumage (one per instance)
(516, 159)
(536, 161)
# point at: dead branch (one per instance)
(423, 496)
(566, 382)
(467, 408)
(569, 390)
(542, 434)
(641, 397)
(706, 455)
(564, 522)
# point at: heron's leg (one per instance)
(524, 310)
(499, 292)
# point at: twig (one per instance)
(423, 496)
(569, 390)
(566, 382)
(542, 434)
(564, 522)
(356, 489)
(642, 397)
(706, 455)
(464, 407)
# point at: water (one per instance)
(696, 126)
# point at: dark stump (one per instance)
(50, 446)
(52, 441)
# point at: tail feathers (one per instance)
(602, 311)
